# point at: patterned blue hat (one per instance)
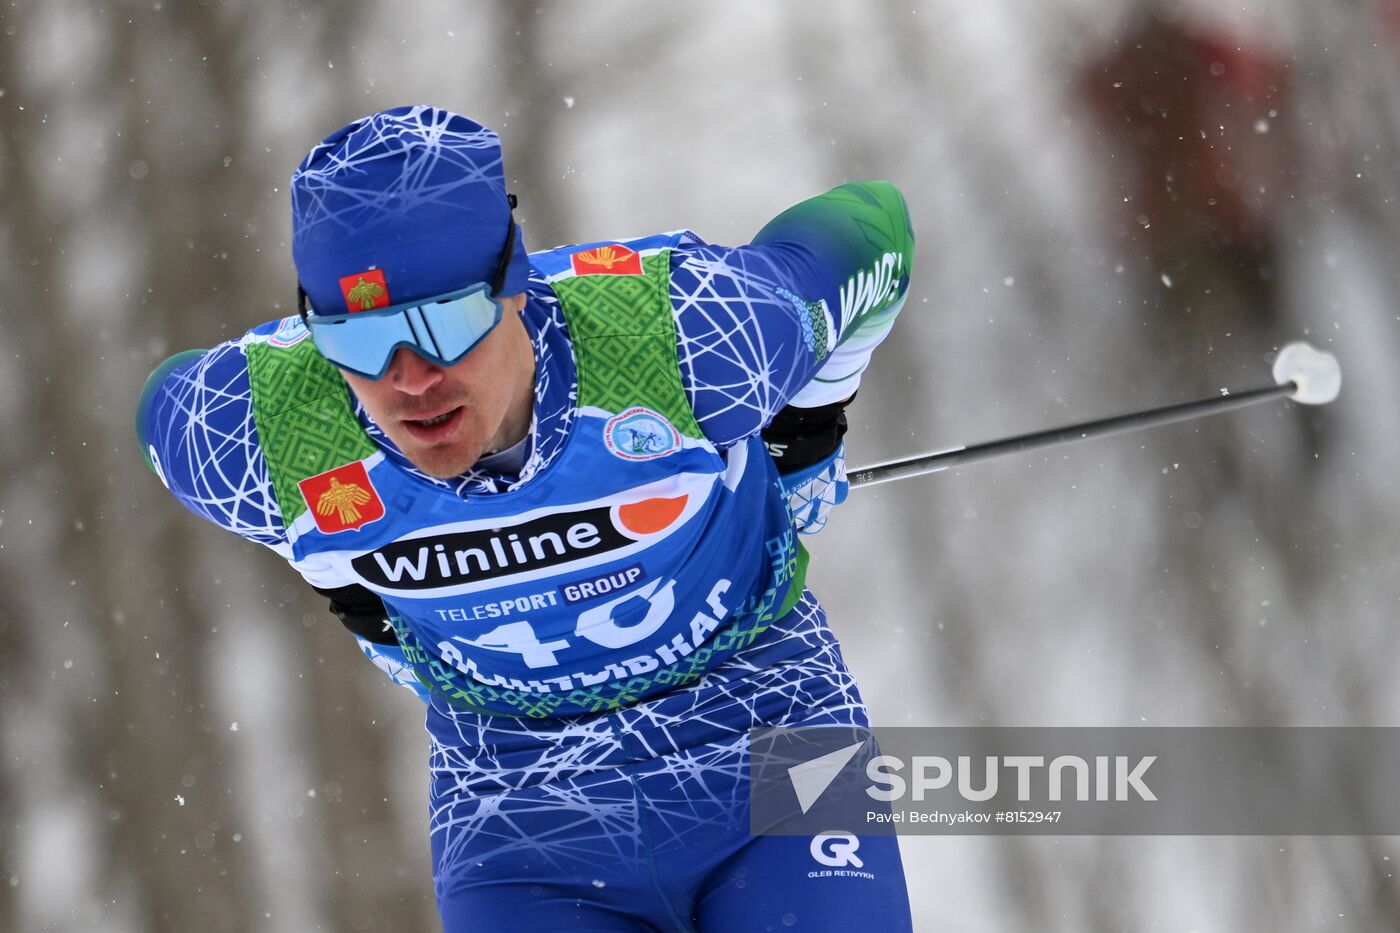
(414, 197)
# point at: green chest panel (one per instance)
(624, 338)
(306, 424)
(624, 344)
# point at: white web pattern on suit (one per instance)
(497, 779)
(742, 347)
(741, 350)
(742, 353)
(206, 446)
(734, 331)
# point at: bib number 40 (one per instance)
(596, 625)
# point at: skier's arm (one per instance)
(194, 423)
(855, 243)
(775, 335)
(363, 614)
(793, 317)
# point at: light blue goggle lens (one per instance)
(442, 331)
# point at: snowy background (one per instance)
(1119, 204)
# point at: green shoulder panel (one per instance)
(863, 232)
(306, 424)
(624, 338)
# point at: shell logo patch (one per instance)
(342, 499)
(365, 291)
(607, 260)
(640, 434)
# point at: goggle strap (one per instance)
(507, 253)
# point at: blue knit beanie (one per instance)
(415, 194)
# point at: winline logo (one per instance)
(552, 540)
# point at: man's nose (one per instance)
(411, 374)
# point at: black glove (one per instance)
(798, 438)
(361, 611)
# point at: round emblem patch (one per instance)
(289, 333)
(640, 434)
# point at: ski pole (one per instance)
(1301, 372)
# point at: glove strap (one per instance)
(800, 437)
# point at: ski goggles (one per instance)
(442, 331)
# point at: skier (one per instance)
(559, 502)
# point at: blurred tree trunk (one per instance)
(71, 167)
(138, 116)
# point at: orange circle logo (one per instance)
(650, 515)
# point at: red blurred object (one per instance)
(1200, 115)
(1390, 14)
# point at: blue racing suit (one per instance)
(596, 623)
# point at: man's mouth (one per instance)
(437, 428)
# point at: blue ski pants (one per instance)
(638, 819)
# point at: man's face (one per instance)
(444, 418)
